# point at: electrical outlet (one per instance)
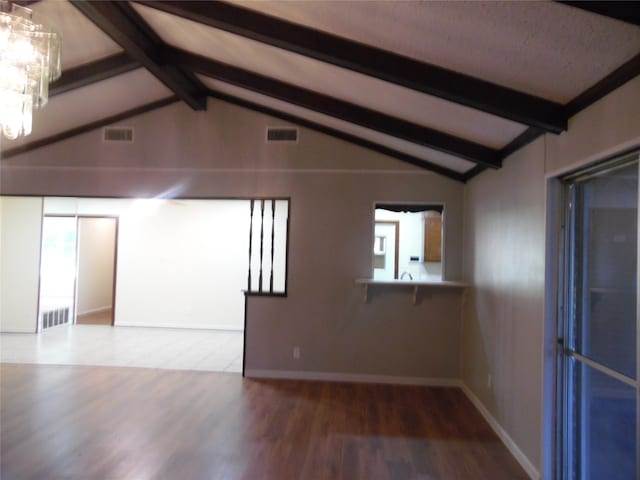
(296, 352)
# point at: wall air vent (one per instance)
(282, 134)
(117, 134)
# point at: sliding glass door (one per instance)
(598, 375)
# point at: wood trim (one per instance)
(353, 378)
(525, 138)
(504, 436)
(116, 242)
(395, 223)
(75, 278)
(127, 28)
(92, 72)
(40, 265)
(615, 79)
(336, 108)
(286, 265)
(59, 137)
(625, 11)
(403, 157)
(244, 338)
(477, 170)
(428, 256)
(407, 72)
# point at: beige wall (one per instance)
(96, 251)
(502, 327)
(221, 153)
(504, 324)
(21, 220)
(333, 187)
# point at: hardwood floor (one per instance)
(61, 422)
(103, 317)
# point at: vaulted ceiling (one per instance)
(452, 87)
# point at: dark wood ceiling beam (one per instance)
(626, 11)
(89, 73)
(368, 60)
(525, 138)
(615, 79)
(122, 23)
(376, 147)
(59, 137)
(339, 109)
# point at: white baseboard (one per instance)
(195, 326)
(95, 310)
(351, 377)
(522, 459)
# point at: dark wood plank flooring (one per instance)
(67, 422)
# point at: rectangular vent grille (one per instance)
(282, 134)
(58, 316)
(118, 134)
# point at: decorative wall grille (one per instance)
(268, 247)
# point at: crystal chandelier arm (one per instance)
(29, 60)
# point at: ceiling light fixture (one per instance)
(29, 60)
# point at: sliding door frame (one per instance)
(562, 197)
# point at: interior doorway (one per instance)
(57, 271)
(385, 250)
(97, 255)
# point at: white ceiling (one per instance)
(87, 104)
(542, 48)
(82, 41)
(539, 47)
(331, 80)
(403, 146)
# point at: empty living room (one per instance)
(319, 240)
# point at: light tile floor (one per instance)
(165, 348)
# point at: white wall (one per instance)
(181, 263)
(21, 220)
(96, 250)
(507, 333)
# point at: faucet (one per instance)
(406, 273)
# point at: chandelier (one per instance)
(29, 60)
